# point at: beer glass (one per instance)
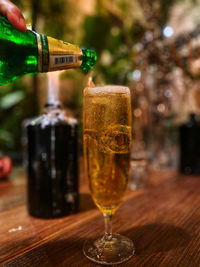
(107, 146)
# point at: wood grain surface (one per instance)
(163, 220)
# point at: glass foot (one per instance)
(109, 250)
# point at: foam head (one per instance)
(107, 89)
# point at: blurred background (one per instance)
(151, 46)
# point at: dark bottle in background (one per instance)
(190, 146)
(52, 163)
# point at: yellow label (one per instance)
(63, 55)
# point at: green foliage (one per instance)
(97, 32)
(54, 18)
(11, 99)
(12, 102)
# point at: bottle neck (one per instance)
(56, 54)
(89, 58)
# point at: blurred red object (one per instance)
(5, 166)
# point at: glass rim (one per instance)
(106, 89)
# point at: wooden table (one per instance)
(163, 220)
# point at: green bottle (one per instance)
(30, 52)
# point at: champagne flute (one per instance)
(107, 146)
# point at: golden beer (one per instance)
(107, 144)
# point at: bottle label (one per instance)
(59, 61)
(57, 55)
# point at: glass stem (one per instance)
(108, 226)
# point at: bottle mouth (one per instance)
(89, 57)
